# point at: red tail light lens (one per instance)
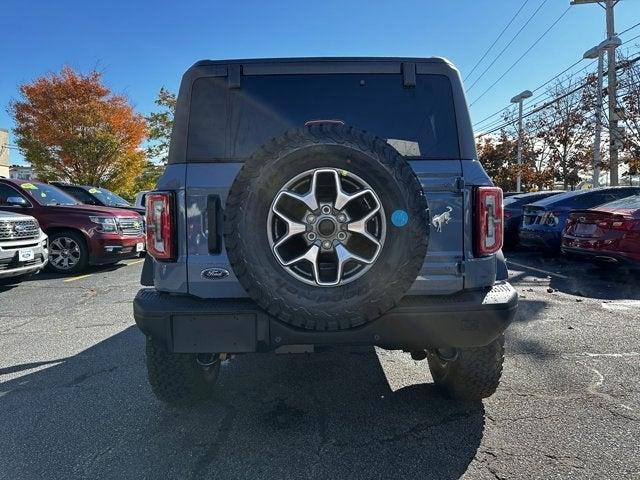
(619, 223)
(161, 226)
(488, 220)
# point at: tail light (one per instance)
(488, 220)
(620, 223)
(160, 216)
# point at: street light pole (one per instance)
(596, 139)
(598, 52)
(519, 99)
(612, 94)
(614, 133)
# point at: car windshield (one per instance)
(46, 194)
(632, 202)
(108, 198)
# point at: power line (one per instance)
(630, 28)
(496, 40)
(550, 80)
(522, 56)
(557, 99)
(508, 44)
(538, 88)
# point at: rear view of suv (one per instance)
(313, 202)
(23, 246)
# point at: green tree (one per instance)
(160, 125)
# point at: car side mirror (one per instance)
(16, 202)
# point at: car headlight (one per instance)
(106, 224)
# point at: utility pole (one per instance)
(519, 99)
(598, 52)
(614, 133)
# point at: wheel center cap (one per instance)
(326, 227)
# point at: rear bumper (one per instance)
(191, 325)
(604, 256)
(549, 240)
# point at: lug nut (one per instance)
(311, 218)
(342, 236)
(311, 236)
(342, 217)
(326, 209)
(326, 245)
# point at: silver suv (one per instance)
(23, 245)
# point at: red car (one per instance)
(79, 235)
(608, 233)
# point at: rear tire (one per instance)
(177, 378)
(473, 374)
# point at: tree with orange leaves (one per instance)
(72, 128)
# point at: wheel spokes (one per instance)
(321, 229)
(360, 227)
(342, 198)
(293, 228)
(309, 198)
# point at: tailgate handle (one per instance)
(214, 241)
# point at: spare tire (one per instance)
(326, 227)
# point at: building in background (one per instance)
(4, 152)
(21, 172)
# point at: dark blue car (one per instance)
(513, 211)
(543, 221)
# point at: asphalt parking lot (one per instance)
(74, 400)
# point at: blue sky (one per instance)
(145, 44)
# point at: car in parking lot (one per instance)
(513, 212)
(544, 220)
(79, 235)
(608, 233)
(90, 195)
(23, 246)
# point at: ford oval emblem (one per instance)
(214, 273)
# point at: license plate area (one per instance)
(214, 333)
(585, 229)
(140, 247)
(25, 255)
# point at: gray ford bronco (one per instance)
(326, 201)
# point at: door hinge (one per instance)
(234, 73)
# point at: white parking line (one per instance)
(553, 274)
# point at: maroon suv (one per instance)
(79, 235)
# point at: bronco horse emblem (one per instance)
(442, 219)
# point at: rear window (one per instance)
(228, 124)
(632, 202)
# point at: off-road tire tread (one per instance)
(176, 378)
(263, 286)
(475, 374)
